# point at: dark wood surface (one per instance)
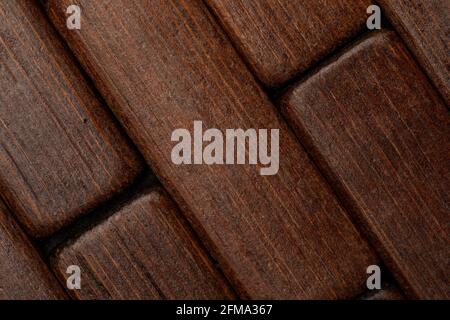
(281, 236)
(61, 152)
(367, 160)
(425, 26)
(281, 38)
(381, 133)
(23, 274)
(143, 251)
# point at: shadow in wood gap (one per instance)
(102, 212)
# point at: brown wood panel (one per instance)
(281, 38)
(424, 25)
(381, 133)
(23, 274)
(164, 64)
(61, 153)
(143, 251)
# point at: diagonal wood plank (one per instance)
(382, 135)
(143, 251)
(424, 25)
(23, 274)
(281, 38)
(163, 65)
(61, 153)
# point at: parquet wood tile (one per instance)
(61, 152)
(282, 38)
(142, 251)
(381, 133)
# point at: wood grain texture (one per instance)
(424, 25)
(23, 274)
(281, 38)
(61, 153)
(164, 64)
(381, 133)
(143, 251)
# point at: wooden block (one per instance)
(278, 236)
(424, 25)
(61, 153)
(381, 134)
(143, 251)
(281, 38)
(23, 274)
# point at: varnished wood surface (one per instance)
(425, 26)
(23, 274)
(61, 153)
(282, 38)
(143, 251)
(373, 125)
(381, 133)
(163, 64)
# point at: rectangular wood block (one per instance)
(61, 153)
(381, 133)
(281, 38)
(163, 65)
(23, 274)
(425, 26)
(143, 251)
